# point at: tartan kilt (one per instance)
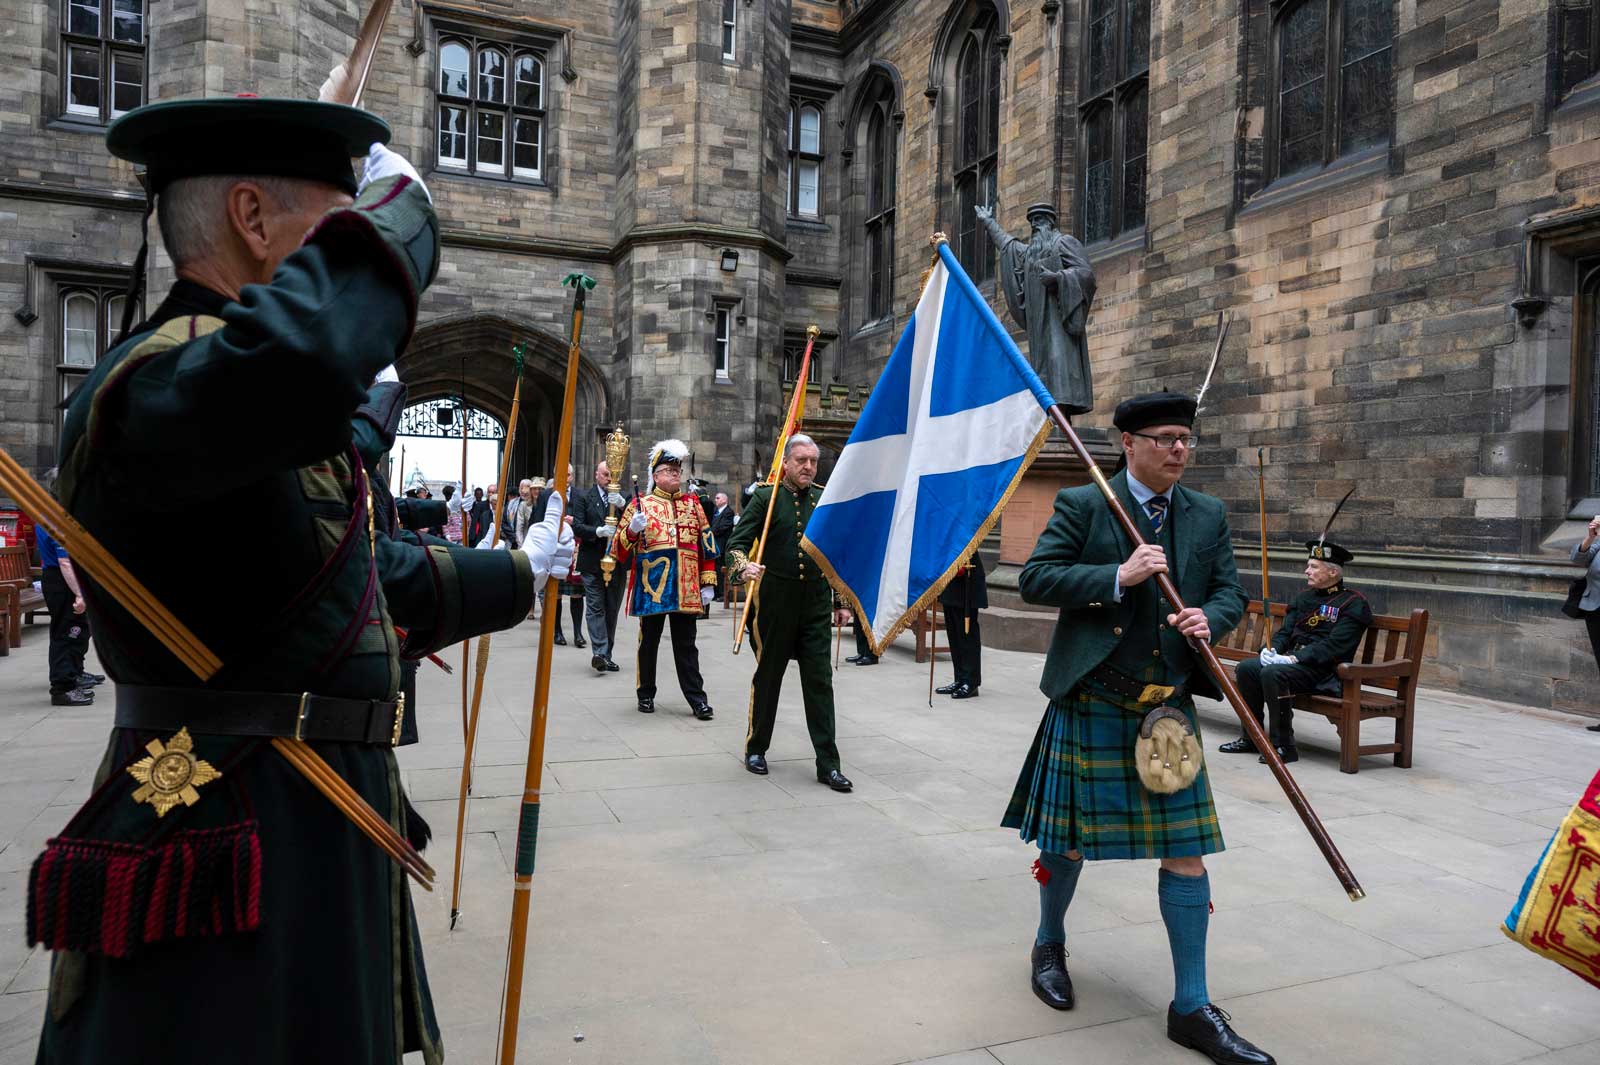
(1079, 789)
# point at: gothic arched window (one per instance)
(977, 137)
(878, 228)
(1114, 117)
(1333, 90)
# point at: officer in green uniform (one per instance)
(1322, 629)
(242, 917)
(792, 613)
(1119, 651)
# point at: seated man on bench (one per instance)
(1322, 629)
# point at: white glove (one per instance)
(549, 545)
(606, 532)
(638, 523)
(388, 373)
(616, 500)
(382, 163)
(1270, 657)
(707, 594)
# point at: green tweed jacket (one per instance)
(1074, 567)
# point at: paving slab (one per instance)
(686, 912)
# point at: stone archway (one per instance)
(477, 347)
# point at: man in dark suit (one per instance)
(1118, 652)
(602, 600)
(965, 595)
(722, 519)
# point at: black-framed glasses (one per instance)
(1166, 440)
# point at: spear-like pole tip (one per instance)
(813, 331)
(578, 277)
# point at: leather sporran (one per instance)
(1575, 592)
(1167, 754)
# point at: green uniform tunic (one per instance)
(1079, 788)
(212, 454)
(789, 619)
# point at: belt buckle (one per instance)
(399, 719)
(1155, 693)
(300, 717)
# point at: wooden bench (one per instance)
(1381, 682)
(17, 595)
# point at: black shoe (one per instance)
(1592, 728)
(89, 680)
(1286, 754)
(1242, 745)
(835, 780)
(703, 712)
(867, 660)
(597, 663)
(75, 697)
(647, 706)
(965, 691)
(611, 667)
(756, 763)
(579, 642)
(947, 689)
(561, 641)
(1050, 980)
(1207, 1030)
(853, 659)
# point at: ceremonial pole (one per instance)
(797, 404)
(1261, 493)
(466, 535)
(483, 647)
(528, 822)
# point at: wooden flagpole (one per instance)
(528, 822)
(797, 406)
(466, 535)
(1261, 490)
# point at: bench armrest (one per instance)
(1399, 667)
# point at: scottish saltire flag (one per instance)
(946, 435)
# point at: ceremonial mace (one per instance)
(797, 405)
(1252, 727)
(517, 353)
(616, 460)
(528, 822)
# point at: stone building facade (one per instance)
(1396, 201)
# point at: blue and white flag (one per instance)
(943, 440)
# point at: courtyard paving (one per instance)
(687, 912)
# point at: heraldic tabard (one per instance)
(671, 558)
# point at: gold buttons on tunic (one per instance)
(1156, 653)
(1117, 631)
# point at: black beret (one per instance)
(1328, 551)
(246, 135)
(1155, 408)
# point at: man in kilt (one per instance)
(1119, 651)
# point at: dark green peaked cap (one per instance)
(246, 135)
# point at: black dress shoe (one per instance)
(1242, 745)
(647, 706)
(89, 680)
(75, 697)
(1207, 1030)
(561, 641)
(597, 663)
(579, 642)
(1287, 754)
(756, 763)
(703, 712)
(835, 780)
(611, 667)
(1050, 980)
(1592, 728)
(946, 689)
(853, 659)
(965, 691)
(867, 660)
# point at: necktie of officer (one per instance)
(1156, 507)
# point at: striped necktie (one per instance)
(1156, 507)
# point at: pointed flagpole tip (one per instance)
(938, 239)
(813, 331)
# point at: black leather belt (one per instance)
(301, 717)
(1119, 683)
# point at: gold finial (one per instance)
(938, 239)
(813, 332)
(616, 454)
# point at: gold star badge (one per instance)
(171, 774)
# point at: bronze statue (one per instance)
(1049, 285)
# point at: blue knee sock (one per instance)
(1058, 879)
(1186, 909)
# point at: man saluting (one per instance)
(223, 883)
(1120, 651)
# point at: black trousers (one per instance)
(966, 645)
(69, 632)
(575, 599)
(1278, 685)
(863, 648)
(1591, 621)
(685, 656)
